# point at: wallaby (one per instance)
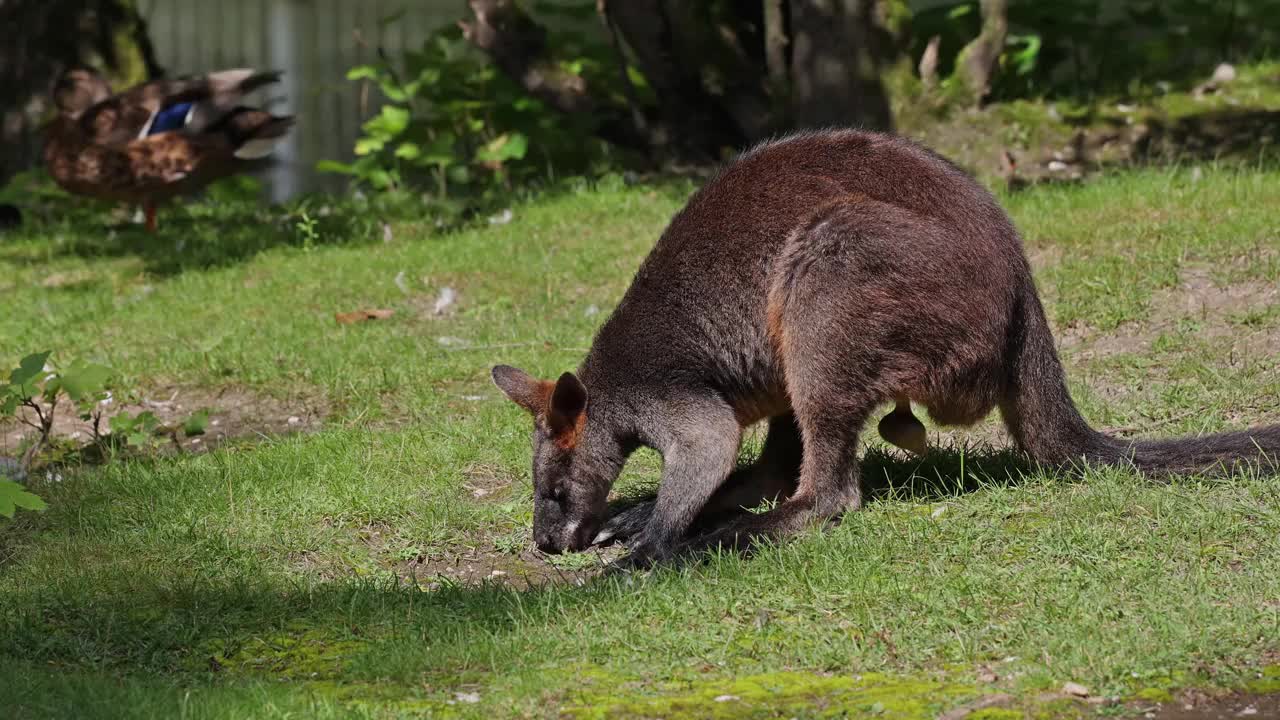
(815, 278)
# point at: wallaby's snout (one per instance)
(572, 537)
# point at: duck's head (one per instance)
(78, 89)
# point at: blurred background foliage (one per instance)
(460, 103)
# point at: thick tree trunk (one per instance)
(775, 45)
(979, 59)
(43, 37)
(693, 124)
(836, 65)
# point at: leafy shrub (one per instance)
(1083, 48)
(39, 388)
(456, 125)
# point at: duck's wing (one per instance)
(188, 103)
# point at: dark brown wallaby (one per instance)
(814, 279)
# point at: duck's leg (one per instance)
(150, 210)
(901, 428)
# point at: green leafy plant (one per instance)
(34, 386)
(14, 496)
(39, 389)
(454, 125)
(138, 429)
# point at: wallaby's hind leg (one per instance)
(828, 485)
(772, 476)
(832, 399)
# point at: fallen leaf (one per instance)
(347, 318)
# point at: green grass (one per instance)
(314, 575)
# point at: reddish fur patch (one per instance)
(567, 439)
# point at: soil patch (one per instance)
(234, 413)
(520, 571)
(1199, 706)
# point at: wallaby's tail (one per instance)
(1044, 421)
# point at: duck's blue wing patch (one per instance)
(170, 118)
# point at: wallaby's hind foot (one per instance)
(903, 429)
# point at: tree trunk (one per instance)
(694, 126)
(775, 45)
(835, 65)
(46, 36)
(979, 59)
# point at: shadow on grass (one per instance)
(205, 239)
(216, 625)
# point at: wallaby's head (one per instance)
(573, 467)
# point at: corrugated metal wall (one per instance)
(314, 42)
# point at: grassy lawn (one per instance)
(380, 565)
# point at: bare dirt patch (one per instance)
(1200, 706)
(521, 571)
(234, 413)
(1214, 309)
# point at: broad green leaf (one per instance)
(84, 381)
(507, 146)
(198, 423)
(409, 151)
(333, 166)
(29, 368)
(363, 72)
(14, 496)
(368, 145)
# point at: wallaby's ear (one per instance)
(524, 390)
(568, 410)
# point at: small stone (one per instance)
(387, 235)
(1076, 689)
(497, 573)
(726, 698)
(1057, 166)
(502, 218)
(294, 420)
(1251, 710)
(591, 311)
(470, 698)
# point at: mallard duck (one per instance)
(156, 140)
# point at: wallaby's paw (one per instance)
(625, 525)
(904, 430)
